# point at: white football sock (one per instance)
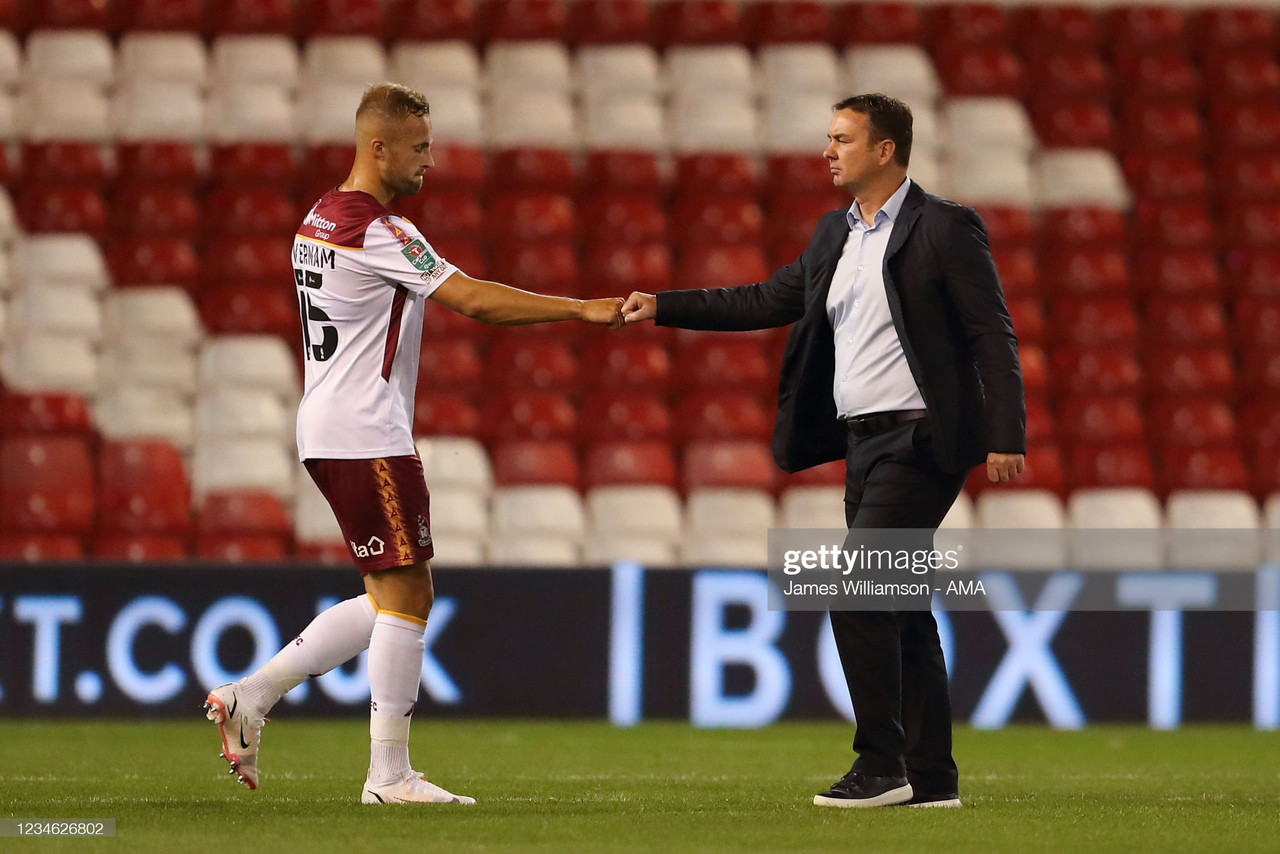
(395, 669)
(337, 635)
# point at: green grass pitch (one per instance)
(585, 787)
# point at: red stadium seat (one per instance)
(1035, 374)
(1044, 470)
(245, 212)
(39, 548)
(608, 21)
(1093, 322)
(66, 162)
(444, 414)
(1075, 227)
(696, 22)
(621, 170)
(1094, 370)
(544, 169)
(156, 15)
(444, 214)
(1184, 321)
(622, 463)
(716, 219)
(1244, 125)
(249, 17)
(1173, 225)
(67, 15)
(46, 485)
(254, 261)
(967, 24)
(1178, 273)
(1189, 371)
(256, 164)
(1085, 272)
(458, 167)
(884, 22)
(1252, 225)
(1018, 272)
(420, 20)
(243, 513)
(521, 462)
(1067, 74)
(325, 166)
(450, 365)
(1008, 226)
(1245, 178)
(715, 414)
(541, 366)
(801, 175)
(142, 489)
(1156, 126)
(143, 210)
(1203, 468)
(10, 17)
(241, 549)
(342, 18)
(1110, 466)
(1100, 420)
(46, 208)
(719, 266)
(792, 218)
(1257, 321)
(529, 415)
(153, 261)
(1080, 124)
(1242, 74)
(1042, 28)
(442, 324)
(824, 474)
(1232, 28)
(739, 464)
(261, 309)
(1260, 424)
(721, 173)
(1040, 429)
(780, 21)
(140, 548)
(1157, 74)
(1259, 374)
(44, 412)
(530, 216)
(624, 365)
(542, 266)
(632, 416)
(1166, 177)
(724, 362)
(1028, 319)
(622, 218)
(980, 70)
(157, 162)
(616, 270)
(1192, 422)
(1265, 479)
(522, 20)
(1143, 27)
(466, 256)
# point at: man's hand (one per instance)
(640, 307)
(605, 311)
(1004, 467)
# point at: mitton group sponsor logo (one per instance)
(373, 548)
(319, 223)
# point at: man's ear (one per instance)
(379, 148)
(887, 148)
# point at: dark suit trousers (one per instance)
(892, 660)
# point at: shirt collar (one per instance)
(889, 210)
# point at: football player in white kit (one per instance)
(363, 275)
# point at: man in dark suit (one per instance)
(902, 361)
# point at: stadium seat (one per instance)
(450, 365)
(235, 413)
(68, 161)
(424, 65)
(623, 463)
(343, 17)
(1253, 225)
(1232, 28)
(1039, 422)
(534, 65)
(695, 22)
(618, 120)
(1094, 419)
(1091, 322)
(1145, 26)
(710, 414)
(456, 116)
(249, 361)
(1079, 176)
(51, 363)
(1117, 507)
(801, 66)
(51, 109)
(740, 464)
(791, 219)
(1244, 125)
(970, 70)
(730, 551)
(1035, 375)
(324, 110)
(549, 267)
(1184, 321)
(40, 548)
(902, 70)
(719, 266)
(240, 549)
(425, 20)
(625, 365)
(876, 23)
(147, 362)
(800, 174)
(529, 415)
(522, 462)
(250, 112)
(716, 220)
(175, 57)
(1044, 471)
(1073, 125)
(1082, 226)
(1193, 513)
(612, 512)
(716, 173)
(522, 20)
(525, 119)
(238, 464)
(1193, 422)
(1085, 272)
(456, 462)
(1037, 29)
(530, 216)
(633, 416)
(704, 121)
(815, 506)
(43, 413)
(1115, 528)
(1253, 273)
(256, 164)
(1156, 126)
(552, 510)
(142, 489)
(59, 208)
(608, 22)
(1166, 177)
(1259, 374)
(1028, 319)
(160, 315)
(613, 70)
(444, 414)
(140, 548)
(968, 23)
(1242, 74)
(145, 412)
(46, 485)
(252, 261)
(1265, 473)
(538, 169)
(713, 512)
(244, 212)
(1173, 225)
(143, 210)
(181, 16)
(1244, 178)
(1065, 74)
(253, 309)
(250, 16)
(1189, 371)
(83, 55)
(63, 310)
(1157, 75)
(785, 21)
(1107, 466)
(975, 179)
(988, 124)
(724, 362)
(607, 219)
(1037, 517)
(1259, 423)
(722, 68)
(532, 550)
(243, 513)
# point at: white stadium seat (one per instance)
(625, 511)
(960, 516)
(249, 361)
(326, 111)
(459, 551)
(430, 66)
(10, 60)
(520, 118)
(85, 56)
(974, 178)
(616, 68)
(645, 551)
(456, 115)
(811, 69)
(8, 117)
(358, 60)
(722, 69)
(51, 363)
(926, 170)
(313, 519)
(9, 231)
(551, 510)
(63, 110)
(455, 461)
(737, 551)
(238, 413)
(57, 259)
(1023, 529)
(988, 125)
(458, 512)
(244, 464)
(795, 122)
(165, 314)
(133, 412)
(271, 59)
(57, 310)
(902, 71)
(541, 65)
(712, 122)
(1080, 176)
(1212, 529)
(147, 108)
(1115, 528)
(141, 361)
(170, 57)
(624, 120)
(257, 112)
(812, 507)
(728, 511)
(533, 550)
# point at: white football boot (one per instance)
(240, 728)
(414, 789)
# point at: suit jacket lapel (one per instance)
(912, 207)
(825, 270)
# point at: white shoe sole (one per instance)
(951, 803)
(389, 795)
(900, 795)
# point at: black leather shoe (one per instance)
(863, 790)
(948, 799)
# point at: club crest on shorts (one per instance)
(424, 532)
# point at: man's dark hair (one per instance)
(392, 101)
(888, 118)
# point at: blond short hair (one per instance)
(392, 101)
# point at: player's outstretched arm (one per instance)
(503, 305)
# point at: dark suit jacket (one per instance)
(947, 307)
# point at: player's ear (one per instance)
(379, 148)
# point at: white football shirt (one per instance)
(363, 275)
